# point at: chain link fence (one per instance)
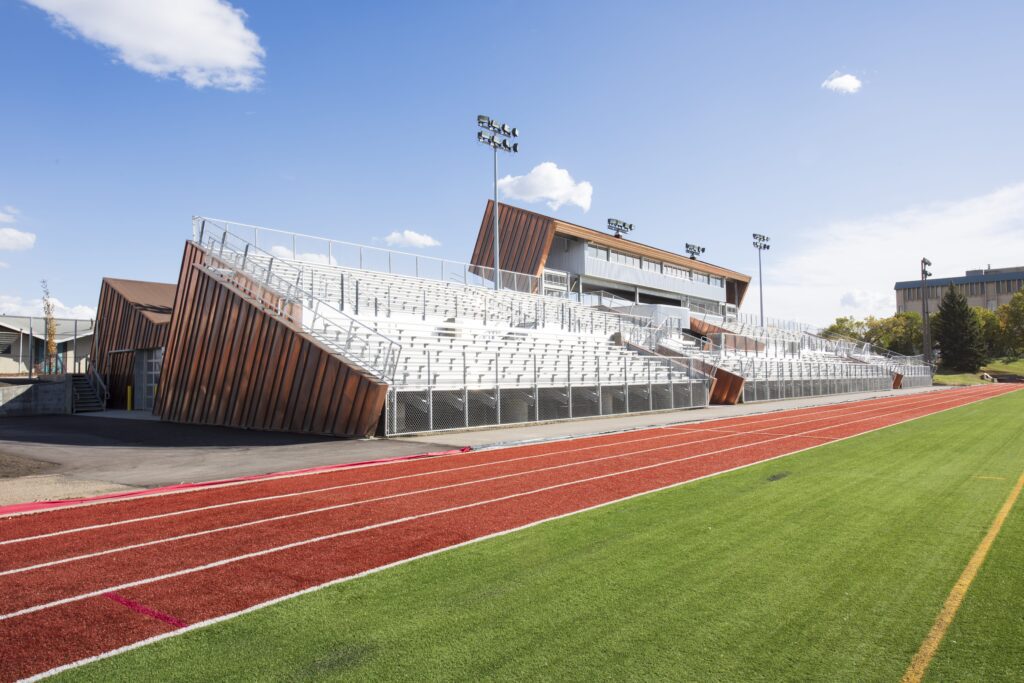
(511, 391)
(768, 380)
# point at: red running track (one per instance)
(82, 581)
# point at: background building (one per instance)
(23, 345)
(988, 288)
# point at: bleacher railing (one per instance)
(777, 323)
(573, 385)
(296, 246)
(272, 282)
(768, 379)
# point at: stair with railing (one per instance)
(84, 397)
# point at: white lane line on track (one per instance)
(438, 488)
(329, 508)
(344, 579)
(402, 520)
(888, 402)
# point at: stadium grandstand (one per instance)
(278, 330)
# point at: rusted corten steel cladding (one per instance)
(233, 360)
(526, 239)
(131, 316)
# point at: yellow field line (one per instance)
(915, 672)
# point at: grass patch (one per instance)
(1005, 366)
(957, 379)
(830, 564)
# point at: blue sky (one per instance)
(697, 122)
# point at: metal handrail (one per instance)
(507, 279)
(871, 349)
(325, 319)
(95, 380)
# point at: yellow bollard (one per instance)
(129, 397)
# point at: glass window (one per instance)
(676, 271)
(624, 259)
(594, 251)
(653, 266)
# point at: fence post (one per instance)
(465, 392)
(650, 388)
(357, 297)
(536, 391)
(568, 381)
(497, 385)
(625, 379)
(430, 392)
(672, 384)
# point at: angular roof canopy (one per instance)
(153, 300)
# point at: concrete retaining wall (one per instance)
(39, 397)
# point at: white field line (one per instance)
(403, 460)
(344, 579)
(393, 522)
(912, 400)
(338, 506)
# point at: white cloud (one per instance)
(16, 305)
(308, 256)
(844, 83)
(203, 42)
(548, 182)
(411, 238)
(8, 214)
(4, 264)
(850, 267)
(12, 239)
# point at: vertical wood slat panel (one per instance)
(121, 325)
(525, 239)
(237, 364)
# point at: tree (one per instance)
(50, 364)
(848, 327)
(901, 333)
(1011, 319)
(958, 333)
(992, 334)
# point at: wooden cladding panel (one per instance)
(121, 328)
(525, 239)
(232, 362)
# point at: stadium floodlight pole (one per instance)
(497, 139)
(761, 244)
(926, 336)
(694, 250)
(619, 227)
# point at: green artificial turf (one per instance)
(986, 640)
(827, 565)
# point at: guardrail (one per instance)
(272, 282)
(296, 246)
